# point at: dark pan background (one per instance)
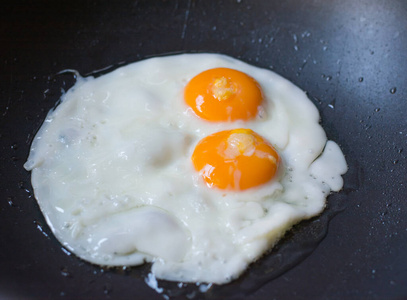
(349, 56)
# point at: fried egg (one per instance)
(197, 163)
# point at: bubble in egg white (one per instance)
(112, 173)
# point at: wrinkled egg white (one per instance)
(112, 173)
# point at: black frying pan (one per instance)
(350, 57)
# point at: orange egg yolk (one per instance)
(223, 94)
(236, 160)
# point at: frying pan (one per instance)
(349, 56)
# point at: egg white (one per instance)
(112, 173)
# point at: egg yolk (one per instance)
(236, 160)
(223, 94)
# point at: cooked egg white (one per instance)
(112, 172)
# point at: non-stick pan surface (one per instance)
(349, 56)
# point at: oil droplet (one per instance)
(203, 288)
(66, 251)
(191, 295)
(305, 34)
(65, 272)
(40, 228)
(318, 100)
(10, 201)
(126, 270)
(393, 90)
(360, 79)
(107, 289)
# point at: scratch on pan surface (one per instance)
(184, 28)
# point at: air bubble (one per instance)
(360, 79)
(377, 109)
(393, 90)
